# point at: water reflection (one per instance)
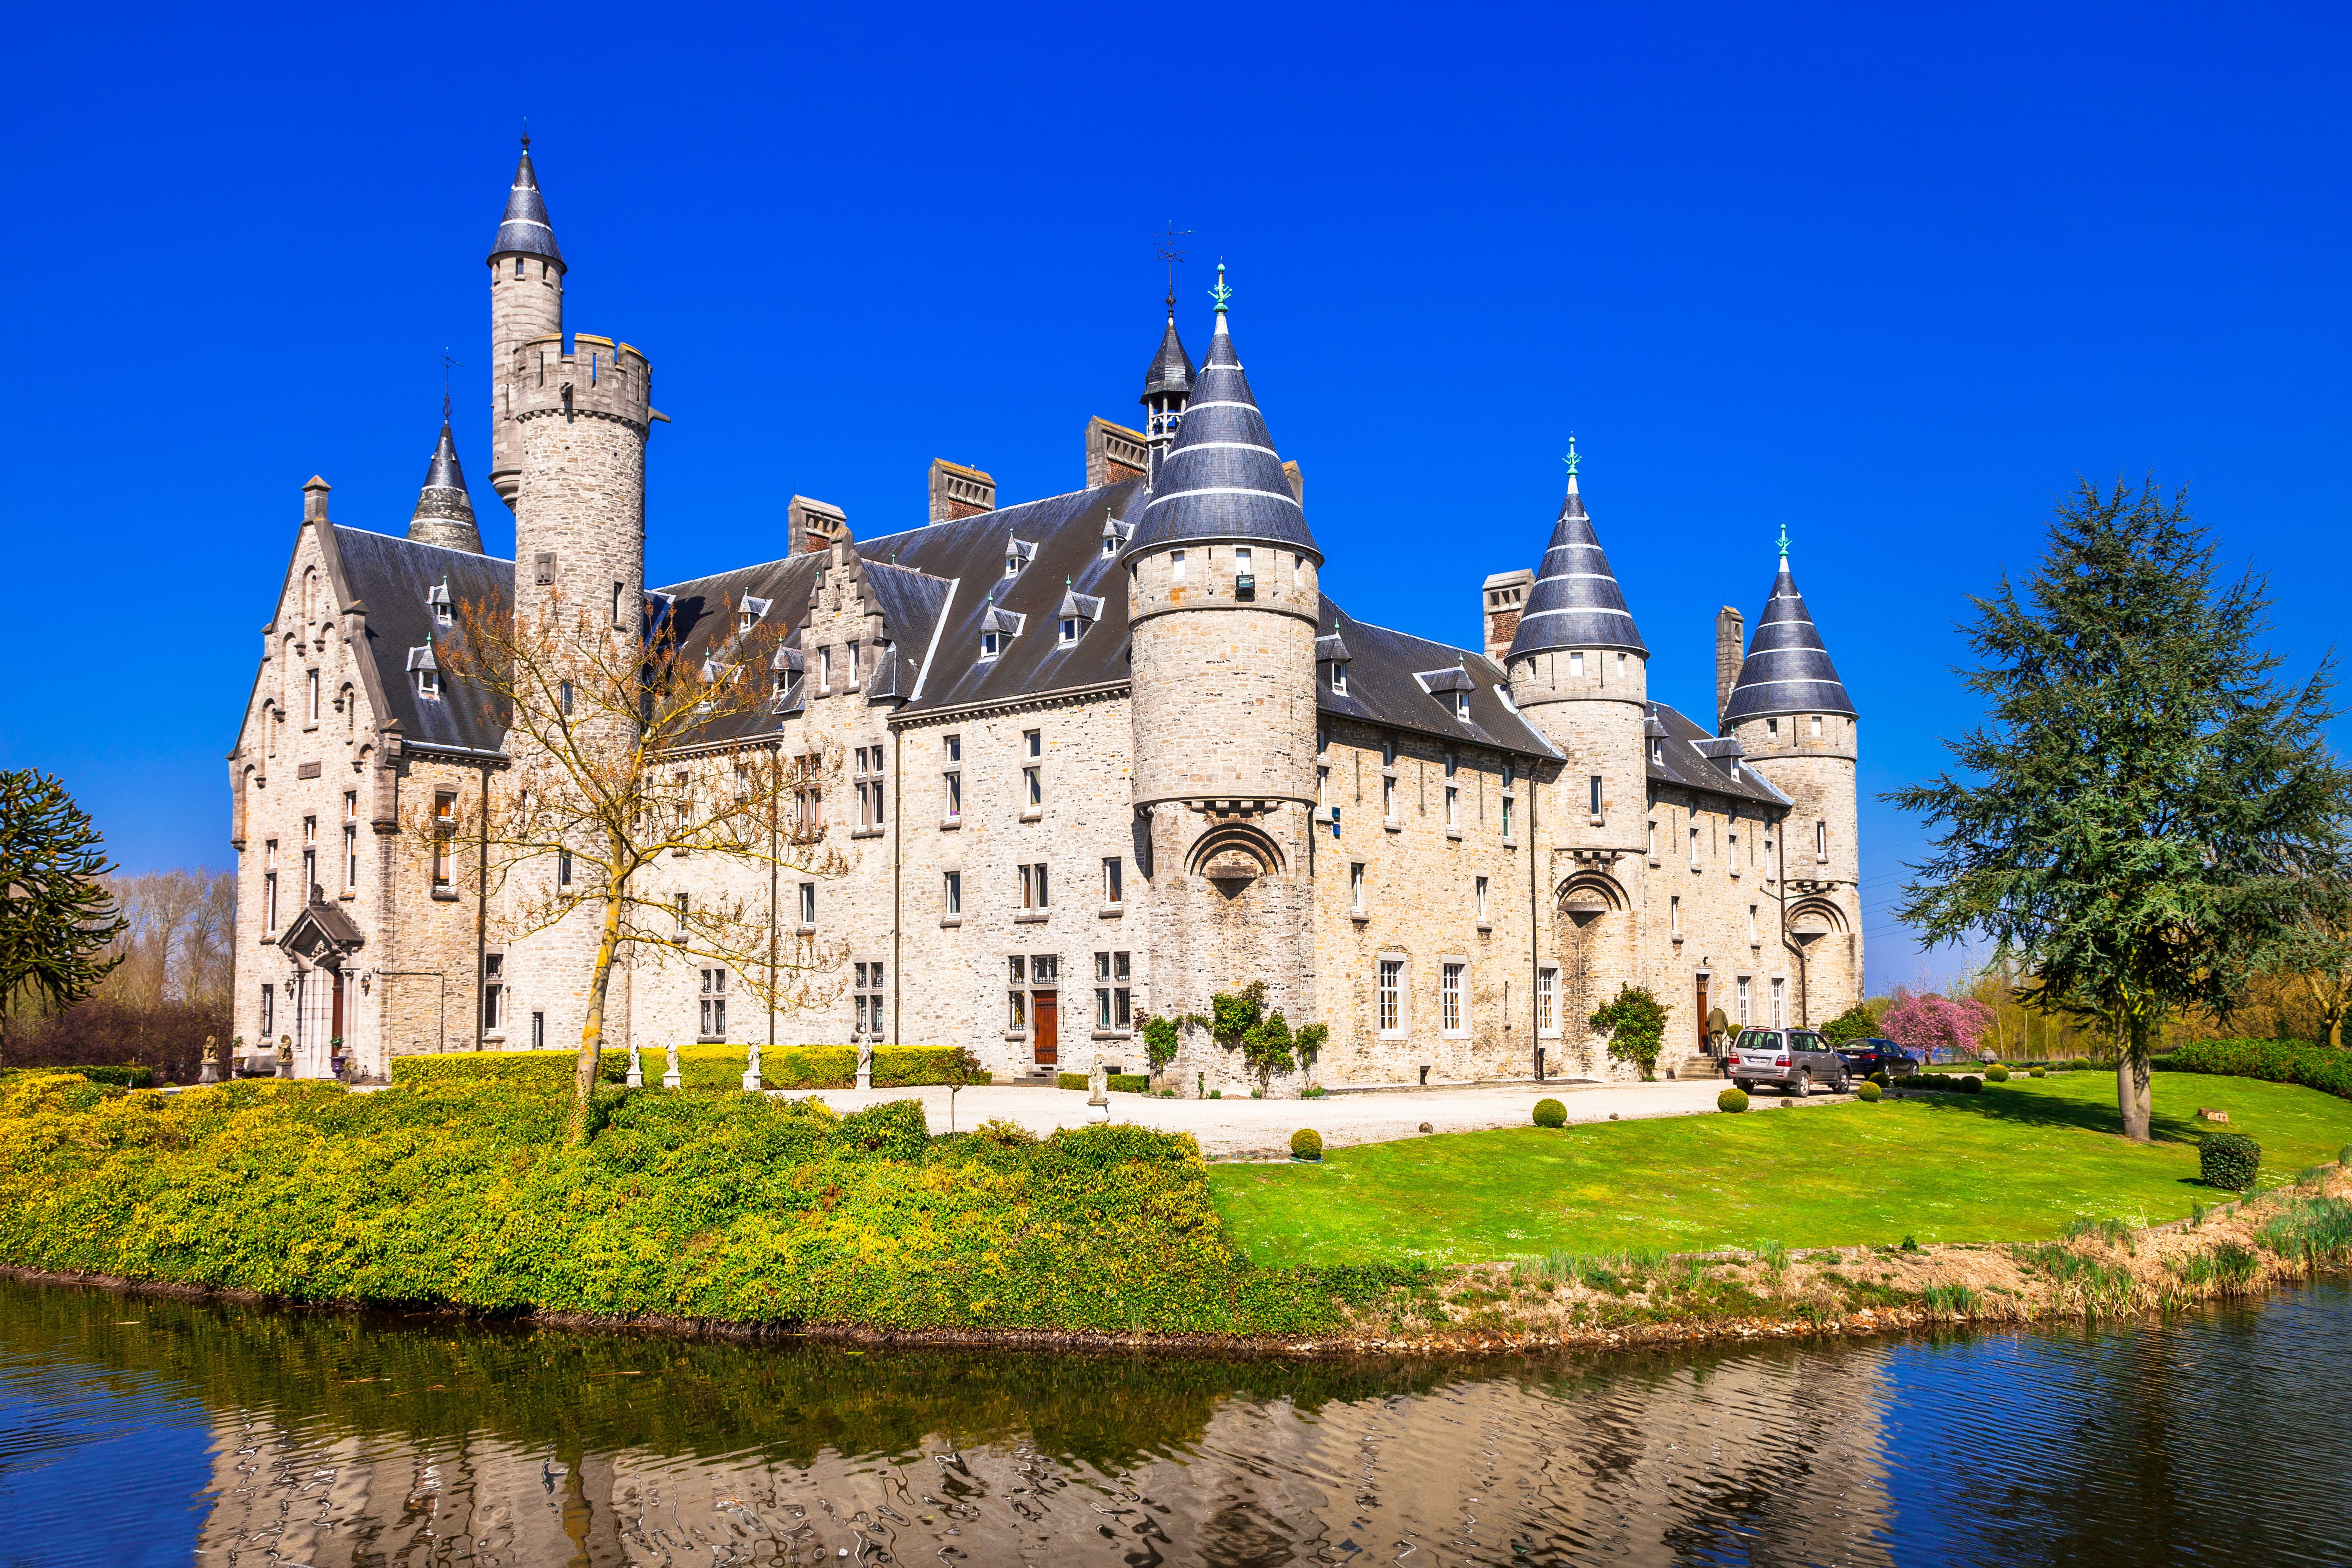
(134, 1430)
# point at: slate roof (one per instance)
(394, 577)
(1576, 601)
(1787, 669)
(1695, 758)
(1171, 367)
(444, 512)
(1384, 688)
(524, 230)
(1222, 478)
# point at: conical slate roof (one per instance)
(444, 513)
(1575, 601)
(1222, 478)
(1171, 367)
(525, 231)
(1787, 669)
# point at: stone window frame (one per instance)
(1392, 1004)
(952, 895)
(1453, 971)
(710, 1025)
(1358, 894)
(1114, 995)
(1548, 1001)
(1480, 891)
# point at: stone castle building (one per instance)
(1110, 751)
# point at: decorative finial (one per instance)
(1572, 459)
(526, 133)
(1172, 254)
(447, 365)
(1220, 293)
(1784, 541)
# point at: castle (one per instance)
(1114, 752)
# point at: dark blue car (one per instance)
(1867, 1056)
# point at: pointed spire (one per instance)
(444, 512)
(1222, 478)
(1575, 601)
(1171, 374)
(525, 231)
(1787, 670)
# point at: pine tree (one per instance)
(2139, 824)
(56, 917)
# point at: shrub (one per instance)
(1131, 1083)
(2039, 1072)
(791, 1068)
(1868, 1092)
(1856, 1022)
(1004, 1134)
(2080, 1064)
(1997, 1073)
(1878, 1076)
(1070, 1081)
(1732, 1099)
(118, 1077)
(2322, 1067)
(1635, 1022)
(2229, 1161)
(1306, 1144)
(1313, 1091)
(1550, 1113)
(1216, 1094)
(1971, 1084)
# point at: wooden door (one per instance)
(1702, 1013)
(336, 1032)
(1045, 1010)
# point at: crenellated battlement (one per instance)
(596, 378)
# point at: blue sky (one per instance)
(1888, 277)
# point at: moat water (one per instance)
(137, 1431)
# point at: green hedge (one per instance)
(2322, 1067)
(1131, 1083)
(451, 1188)
(707, 1067)
(2229, 1159)
(133, 1076)
(1070, 1081)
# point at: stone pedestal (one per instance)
(751, 1079)
(284, 1056)
(1098, 1085)
(671, 1076)
(636, 1067)
(212, 1071)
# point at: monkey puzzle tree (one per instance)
(627, 750)
(56, 917)
(2140, 825)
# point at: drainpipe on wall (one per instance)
(1535, 939)
(775, 785)
(482, 909)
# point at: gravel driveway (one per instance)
(1261, 1129)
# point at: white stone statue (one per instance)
(673, 1079)
(636, 1067)
(865, 1060)
(751, 1079)
(1098, 1085)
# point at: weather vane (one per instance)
(1172, 254)
(1220, 293)
(1572, 459)
(448, 363)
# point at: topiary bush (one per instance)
(1129, 1083)
(1971, 1084)
(2229, 1161)
(2039, 1072)
(1997, 1073)
(1306, 1144)
(1732, 1099)
(1879, 1077)
(2080, 1064)
(1868, 1092)
(1550, 1113)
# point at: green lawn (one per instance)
(2014, 1164)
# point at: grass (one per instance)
(2022, 1161)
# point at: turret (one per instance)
(526, 303)
(1798, 729)
(580, 506)
(1580, 671)
(1166, 387)
(1223, 602)
(444, 512)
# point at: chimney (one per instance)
(1504, 598)
(958, 491)
(314, 499)
(1114, 453)
(1730, 633)
(816, 525)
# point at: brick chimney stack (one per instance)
(1730, 644)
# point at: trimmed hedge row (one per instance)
(704, 1067)
(130, 1076)
(2322, 1067)
(450, 1188)
(1116, 1082)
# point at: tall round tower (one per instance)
(581, 419)
(526, 303)
(1797, 728)
(1580, 671)
(1222, 600)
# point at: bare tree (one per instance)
(625, 750)
(176, 943)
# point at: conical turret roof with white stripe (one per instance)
(1787, 669)
(1575, 601)
(524, 230)
(1223, 479)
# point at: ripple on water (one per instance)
(201, 1434)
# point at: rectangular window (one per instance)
(951, 892)
(444, 828)
(1033, 788)
(1780, 1003)
(314, 703)
(1033, 742)
(1114, 878)
(269, 1010)
(1449, 998)
(954, 744)
(955, 797)
(1033, 886)
(1507, 804)
(1739, 991)
(1356, 888)
(1114, 1006)
(1453, 805)
(350, 857)
(824, 669)
(714, 1004)
(808, 904)
(1752, 937)
(1388, 799)
(493, 987)
(990, 645)
(1821, 841)
(1176, 565)
(269, 901)
(351, 805)
(681, 916)
(538, 1031)
(1694, 849)
(868, 998)
(563, 695)
(1018, 1015)
(1340, 676)
(1388, 752)
(1391, 995)
(1595, 792)
(620, 606)
(1817, 725)
(1548, 1000)
(564, 867)
(1674, 916)
(1575, 667)
(849, 665)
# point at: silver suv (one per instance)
(1790, 1060)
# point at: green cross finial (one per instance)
(1220, 293)
(1784, 541)
(1572, 459)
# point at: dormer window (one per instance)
(1657, 751)
(437, 599)
(996, 627)
(1018, 552)
(991, 644)
(1462, 705)
(427, 670)
(1340, 677)
(749, 613)
(1069, 631)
